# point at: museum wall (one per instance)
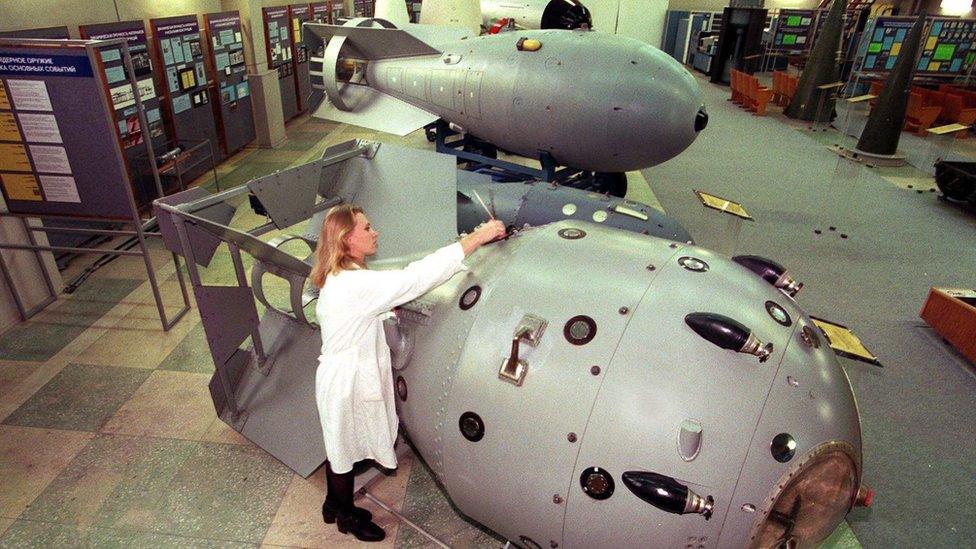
(22, 14)
(640, 19)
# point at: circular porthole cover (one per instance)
(693, 264)
(469, 297)
(572, 233)
(579, 330)
(778, 313)
(472, 428)
(569, 209)
(783, 447)
(600, 216)
(401, 388)
(597, 483)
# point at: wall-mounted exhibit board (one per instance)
(793, 30)
(363, 8)
(947, 48)
(126, 118)
(327, 12)
(882, 42)
(320, 12)
(278, 38)
(59, 143)
(52, 33)
(236, 119)
(187, 91)
(300, 13)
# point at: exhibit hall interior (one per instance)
(727, 297)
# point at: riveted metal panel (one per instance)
(472, 94)
(415, 83)
(394, 79)
(442, 91)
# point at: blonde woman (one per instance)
(354, 380)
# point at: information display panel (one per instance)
(188, 90)
(363, 8)
(947, 49)
(300, 13)
(278, 41)
(793, 28)
(59, 148)
(235, 120)
(326, 12)
(126, 118)
(882, 43)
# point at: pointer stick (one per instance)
(487, 211)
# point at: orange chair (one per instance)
(791, 83)
(920, 117)
(957, 112)
(759, 96)
(779, 88)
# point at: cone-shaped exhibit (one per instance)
(823, 67)
(883, 129)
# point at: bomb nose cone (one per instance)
(701, 119)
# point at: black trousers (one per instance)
(340, 488)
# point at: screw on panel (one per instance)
(792, 381)
(651, 267)
(571, 437)
(595, 370)
(672, 245)
(749, 508)
(623, 310)
(557, 499)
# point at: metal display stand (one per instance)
(95, 185)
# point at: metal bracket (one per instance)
(530, 330)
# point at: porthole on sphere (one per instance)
(571, 233)
(783, 447)
(778, 313)
(693, 264)
(401, 388)
(569, 209)
(600, 216)
(469, 297)
(597, 483)
(472, 428)
(580, 330)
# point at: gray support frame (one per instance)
(139, 232)
(266, 388)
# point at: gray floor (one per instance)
(919, 412)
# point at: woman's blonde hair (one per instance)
(332, 251)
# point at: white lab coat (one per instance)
(354, 379)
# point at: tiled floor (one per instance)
(108, 435)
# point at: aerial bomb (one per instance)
(556, 389)
(586, 100)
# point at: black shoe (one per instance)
(330, 511)
(364, 530)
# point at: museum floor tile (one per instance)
(108, 435)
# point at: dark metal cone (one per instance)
(823, 67)
(883, 129)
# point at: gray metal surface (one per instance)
(617, 401)
(593, 101)
(526, 13)
(538, 203)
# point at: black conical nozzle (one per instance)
(771, 272)
(728, 333)
(701, 120)
(667, 494)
